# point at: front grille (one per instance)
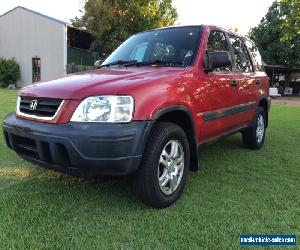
(40, 107)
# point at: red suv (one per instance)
(146, 109)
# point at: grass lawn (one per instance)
(236, 191)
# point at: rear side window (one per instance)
(240, 54)
(257, 61)
(217, 42)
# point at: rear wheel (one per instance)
(161, 177)
(254, 137)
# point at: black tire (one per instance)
(250, 137)
(145, 181)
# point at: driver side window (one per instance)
(217, 42)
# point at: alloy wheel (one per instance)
(171, 167)
(260, 130)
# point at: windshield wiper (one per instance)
(156, 62)
(118, 62)
(136, 63)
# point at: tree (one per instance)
(278, 34)
(112, 21)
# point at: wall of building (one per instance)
(25, 35)
(295, 76)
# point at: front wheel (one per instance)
(161, 177)
(254, 137)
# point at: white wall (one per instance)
(24, 35)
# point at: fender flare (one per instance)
(267, 99)
(192, 139)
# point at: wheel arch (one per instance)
(181, 116)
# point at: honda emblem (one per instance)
(33, 105)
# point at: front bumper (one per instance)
(82, 149)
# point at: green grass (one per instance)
(237, 191)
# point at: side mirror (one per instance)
(217, 59)
(98, 63)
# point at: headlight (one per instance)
(104, 109)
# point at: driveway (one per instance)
(288, 101)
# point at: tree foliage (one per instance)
(278, 34)
(112, 21)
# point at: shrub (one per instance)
(9, 72)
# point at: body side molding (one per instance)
(217, 114)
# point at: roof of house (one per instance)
(37, 13)
(281, 69)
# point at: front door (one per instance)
(216, 92)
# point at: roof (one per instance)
(281, 69)
(168, 27)
(199, 25)
(37, 13)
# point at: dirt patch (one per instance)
(288, 101)
(11, 172)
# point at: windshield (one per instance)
(176, 47)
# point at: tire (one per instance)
(154, 165)
(254, 136)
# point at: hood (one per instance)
(98, 82)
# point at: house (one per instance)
(283, 78)
(44, 47)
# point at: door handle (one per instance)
(234, 83)
(258, 81)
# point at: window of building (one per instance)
(36, 69)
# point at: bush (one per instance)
(9, 72)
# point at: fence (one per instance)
(80, 60)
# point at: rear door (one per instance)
(261, 78)
(245, 91)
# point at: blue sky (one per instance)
(242, 14)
